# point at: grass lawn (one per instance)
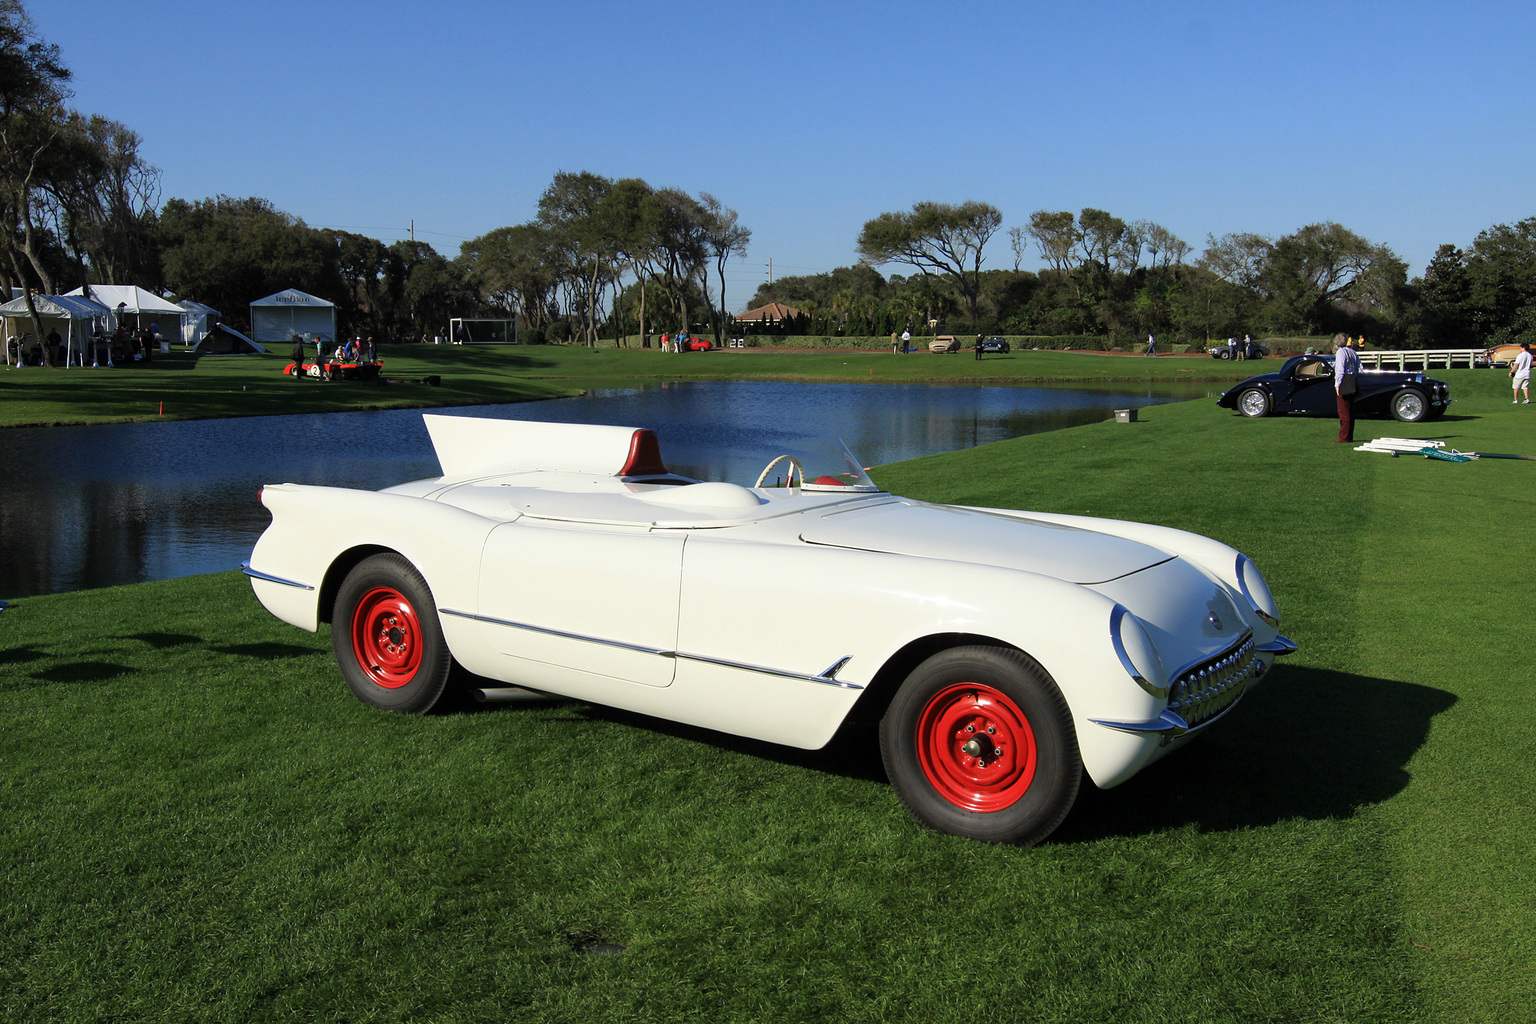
(197, 822)
(181, 386)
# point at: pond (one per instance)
(96, 506)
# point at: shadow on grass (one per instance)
(80, 672)
(1311, 744)
(20, 655)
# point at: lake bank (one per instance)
(180, 386)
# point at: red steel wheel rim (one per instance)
(386, 637)
(976, 747)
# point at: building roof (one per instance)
(772, 311)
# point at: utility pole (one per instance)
(770, 270)
(413, 230)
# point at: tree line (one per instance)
(1121, 280)
(620, 259)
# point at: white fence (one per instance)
(1423, 358)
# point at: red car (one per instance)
(688, 343)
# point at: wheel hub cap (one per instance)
(386, 637)
(976, 747)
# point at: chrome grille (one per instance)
(1206, 689)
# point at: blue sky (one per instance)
(1409, 123)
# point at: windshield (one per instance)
(827, 466)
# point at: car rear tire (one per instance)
(1253, 403)
(978, 742)
(1409, 406)
(386, 636)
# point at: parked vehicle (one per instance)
(996, 343)
(1230, 350)
(1006, 655)
(944, 343)
(1305, 385)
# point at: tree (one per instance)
(1501, 277)
(226, 252)
(512, 268)
(1057, 236)
(32, 91)
(935, 238)
(1309, 272)
(724, 237)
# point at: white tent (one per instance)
(197, 321)
(70, 312)
(149, 307)
(277, 318)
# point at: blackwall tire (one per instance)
(386, 636)
(978, 742)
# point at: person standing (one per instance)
(1520, 372)
(298, 357)
(1151, 346)
(1346, 375)
(906, 341)
(978, 348)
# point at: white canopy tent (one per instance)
(197, 320)
(147, 306)
(71, 312)
(277, 318)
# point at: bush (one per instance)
(532, 336)
(559, 331)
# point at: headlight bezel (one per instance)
(1137, 655)
(1256, 591)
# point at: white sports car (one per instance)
(1005, 653)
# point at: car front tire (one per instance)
(386, 636)
(1409, 406)
(1253, 403)
(978, 742)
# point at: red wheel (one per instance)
(978, 742)
(976, 747)
(386, 636)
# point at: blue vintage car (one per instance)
(1305, 385)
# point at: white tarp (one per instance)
(224, 340)
(277, 318)
(197, 321)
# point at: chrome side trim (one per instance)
(1280, 646)
(561, 633)
(827, 677)
(256, 574)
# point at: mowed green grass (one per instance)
(198, 822)
(182, 386)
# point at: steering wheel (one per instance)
(794, 466)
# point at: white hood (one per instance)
(932, 531)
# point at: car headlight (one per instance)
(1257, 591)
(1137, 655)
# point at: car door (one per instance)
(1312, 387)
(561, 598)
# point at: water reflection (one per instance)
(95, 506)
